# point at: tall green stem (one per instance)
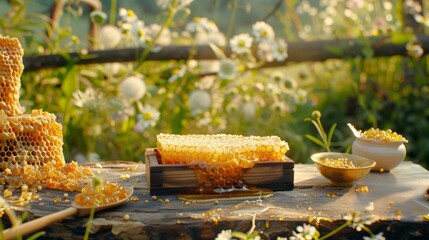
(171, 13)
(113, 7)
(346, 224)
(232, 19)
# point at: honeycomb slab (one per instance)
(35, 139)
(11, 68)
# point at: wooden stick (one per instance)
(37, 224)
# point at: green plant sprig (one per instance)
(325, 139)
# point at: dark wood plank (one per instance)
(165, 179)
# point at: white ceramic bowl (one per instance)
(387, 154)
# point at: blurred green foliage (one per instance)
(384, 92)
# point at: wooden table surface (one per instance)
(397, 196)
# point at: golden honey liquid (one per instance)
(222, 182)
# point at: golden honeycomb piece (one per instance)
(219, 149)
(31, 152)
(11, 68)
(220, 159)
(37, 140)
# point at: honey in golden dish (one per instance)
(94, 195)
(31, 151)
(220, 160)
(339, 162)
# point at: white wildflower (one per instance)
(228, 69)
(378, 236)
(110, 36)
(132, 88)
(177, 73)
(359, 219)
(127, 15)
(199, 24)
(165, 36)
(263, 31)
(289, 83)
(148, 118)
(199, 101)
(224, 235)
(280, 50)
(306, 232)
(120, 110)
(265, 51)
(300, 96)
(241, 43)
(89, 99)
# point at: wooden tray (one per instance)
(170, 179)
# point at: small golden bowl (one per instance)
(339, 174)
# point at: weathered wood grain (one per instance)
(397, 196)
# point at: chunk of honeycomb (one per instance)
(30, 144)
(11, 68)
(220, 149)
(35, 139)
(220, 159)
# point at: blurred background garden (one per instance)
(250, 67)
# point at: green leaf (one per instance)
(315, 140)
(219, 53)
(331, 133)
(36, 235)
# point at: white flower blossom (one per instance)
(165, 36)
(228, 69)
(199, 24)
(359, 219)
(127, 15)
(280, 50)
(111, 36)
(199, 101)
(132, 88)
(265, 51)
(263, 31)
(177, 73)
(148, 118)
(306, 232)
(378, 236)
(241, 43)
(300, 96)
(89, 99)
(224, 235)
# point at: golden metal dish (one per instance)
(342, 176)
